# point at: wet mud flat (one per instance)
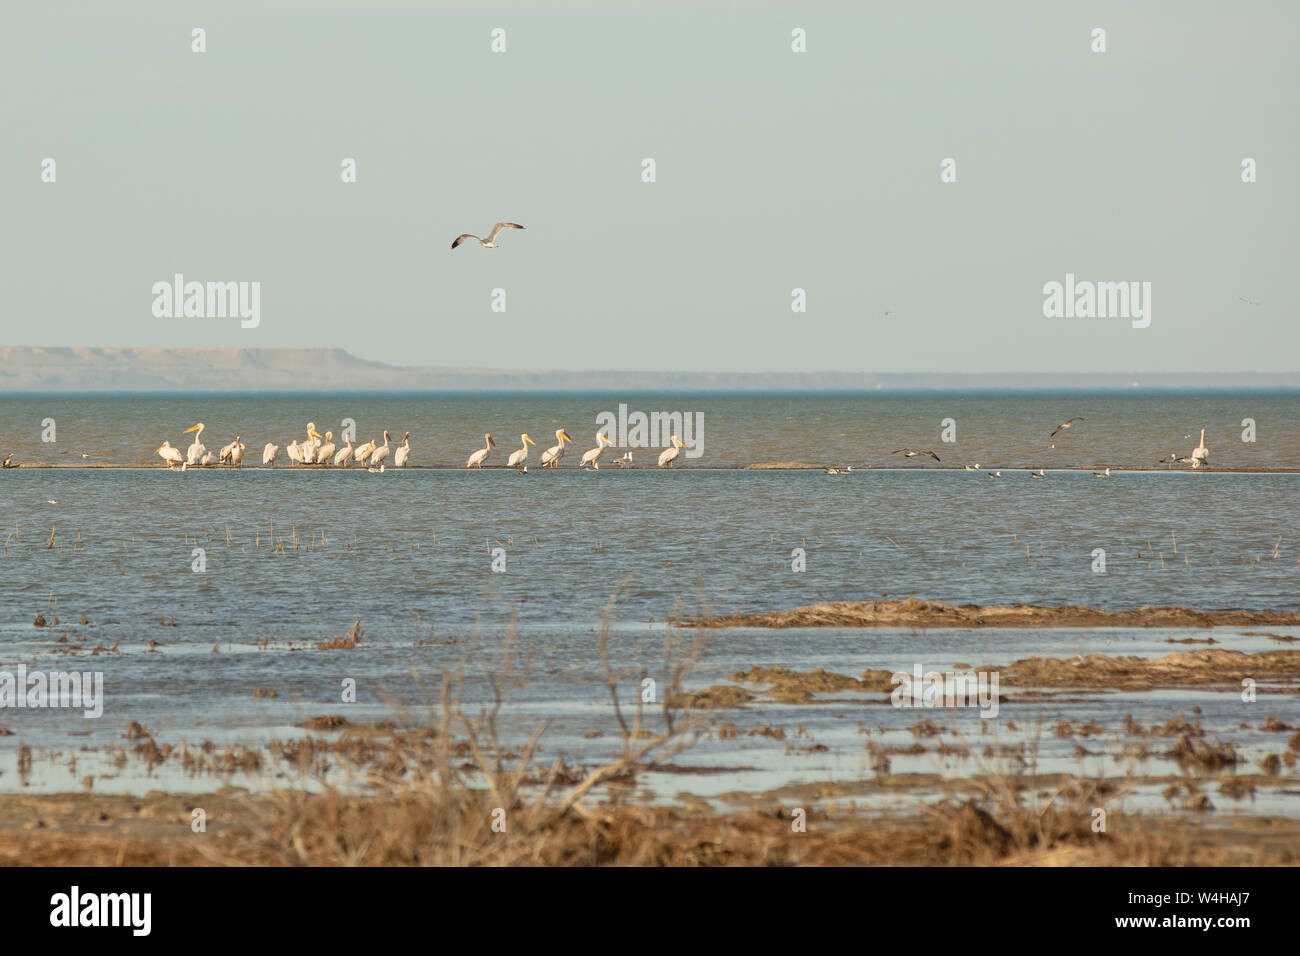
(917, 613)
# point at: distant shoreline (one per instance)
(40, 370)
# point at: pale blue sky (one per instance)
(775, 170)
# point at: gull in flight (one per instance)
(1247, 301)
(1063, 426)
(910, 453)
(490, 241)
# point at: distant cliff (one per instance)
(24, 368)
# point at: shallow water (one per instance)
(409, 554)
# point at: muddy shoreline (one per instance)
(917, 613)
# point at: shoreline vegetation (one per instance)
(917, 613)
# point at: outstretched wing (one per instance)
(499, 226)
(934, 456)
(462, 238)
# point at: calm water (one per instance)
(409, 553)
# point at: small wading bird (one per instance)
(551, 457)
(9, 459)
(1101, 474)
(592, 457)
(490, 241)
(670, 455)
(195, 452)
(624, 461)
(476, 460)
(1063, 426)
(170, 456)
(519, 459)
(269, 453)
(911, 453)
(403, 451)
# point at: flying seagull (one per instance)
(1064, 425)
(490, 241)
(1247, 301)
(911, 453)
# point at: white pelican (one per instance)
(551, 457)
(379, 454)
(1200, 454)
(1063, 426)
(362, 452)
(670, 455)
(228, 451)
(520, 457)
(911, 453)
(294, 451)
(196, 450)
(480, 456)
(1101, 474)
(1040, 473)
(490, 241)
(311, 444)
(209, 459)
(170, 455)
(593, 457)
(237, 453)
(403, 451)
(326, 451)
(344, 454)
(269, 453)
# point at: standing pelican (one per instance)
(269, 453)
(209, 459)
(344, 454)
(170, 455)
(326, 451)
(551, 457)
(379, 454)
(362, 452)
(294, 451)
(490, 241)
(196, 450)
(670, 455)
(311, 444)
(520, 457)
(476, 460)
(228, 451)
(403, 451)
(593, 457)
(1200, 454)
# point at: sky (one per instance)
(775, 170)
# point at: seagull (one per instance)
(8, 458)
(1064, 425)
(490, 241)
(1040, 473)
(993, 474)
(910, 453)
(1247, 301)
(1101, 474)
(1173, 457)
(974, 467)
(624, 461)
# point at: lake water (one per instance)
(294, 556)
